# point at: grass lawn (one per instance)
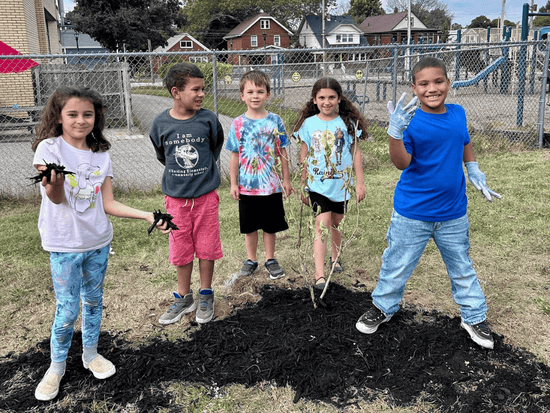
(509, 248)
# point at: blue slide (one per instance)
(481, 75)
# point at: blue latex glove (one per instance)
(400, 117)
(477, 178)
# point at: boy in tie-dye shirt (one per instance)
(259, 172)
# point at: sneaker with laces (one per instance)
(274, 269)
(182, 305)
(100, 367)
(368, 323)
(48, 387)
(205, 312)
(480, 333)
(249, 267)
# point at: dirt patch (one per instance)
(418, 356)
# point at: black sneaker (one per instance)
(249, 267)
(274, 269)
(480, 333)
(368, 323)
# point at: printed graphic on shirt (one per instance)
(326, 145)
(84, 189)
(186, 156)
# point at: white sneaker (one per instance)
(100, 367)
(48, 387)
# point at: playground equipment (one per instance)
(481, 75)
(502, 61)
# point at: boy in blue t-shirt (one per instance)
(257, 141)
(430, 201)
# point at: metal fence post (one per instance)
(215, 80)
(542, 101)
(394, 72)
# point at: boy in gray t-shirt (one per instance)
(188, 141)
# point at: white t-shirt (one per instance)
(79, 223)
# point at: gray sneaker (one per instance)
(182, 305)
(274, 269)
(205, 313)
(249, 267)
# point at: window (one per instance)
(412, 21)
(186, 44)
(277, 40)
(264, 24)
(344, 38)
(253, 40)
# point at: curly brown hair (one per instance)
(50, 127)
(346, 109)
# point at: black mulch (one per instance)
(282, 339)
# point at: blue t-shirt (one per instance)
(259, 143)
(433, 187)
(329, 145)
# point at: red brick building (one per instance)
(261, 32)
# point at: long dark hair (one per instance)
(346, 109)
(50, 127)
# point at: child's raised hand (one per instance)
(55, 180)
(477, 178)
(160, 221)
(400, 117)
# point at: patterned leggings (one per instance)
(77, 276)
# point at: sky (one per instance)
(464, 10)
(467, 10)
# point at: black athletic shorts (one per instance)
(265, 212)
(321, 203)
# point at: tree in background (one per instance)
(445, 32)
(541, 21)
(433, 13)
(127, 23)
(494, 23)
(204, 17)
(361, 9)
(480, 22)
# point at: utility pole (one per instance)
(502, 18)
(323, 29)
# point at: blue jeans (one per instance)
(77, 276)
(407, 239)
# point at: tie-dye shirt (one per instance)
(259, 143)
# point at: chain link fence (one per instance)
(502, 87)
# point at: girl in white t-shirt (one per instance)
(73, 224)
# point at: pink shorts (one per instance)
(199, 228)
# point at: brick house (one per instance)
(30, 27)
(260, 32)
(184, 43)
(388, 28)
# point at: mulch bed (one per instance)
(284, 340)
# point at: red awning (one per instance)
(13, 65)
